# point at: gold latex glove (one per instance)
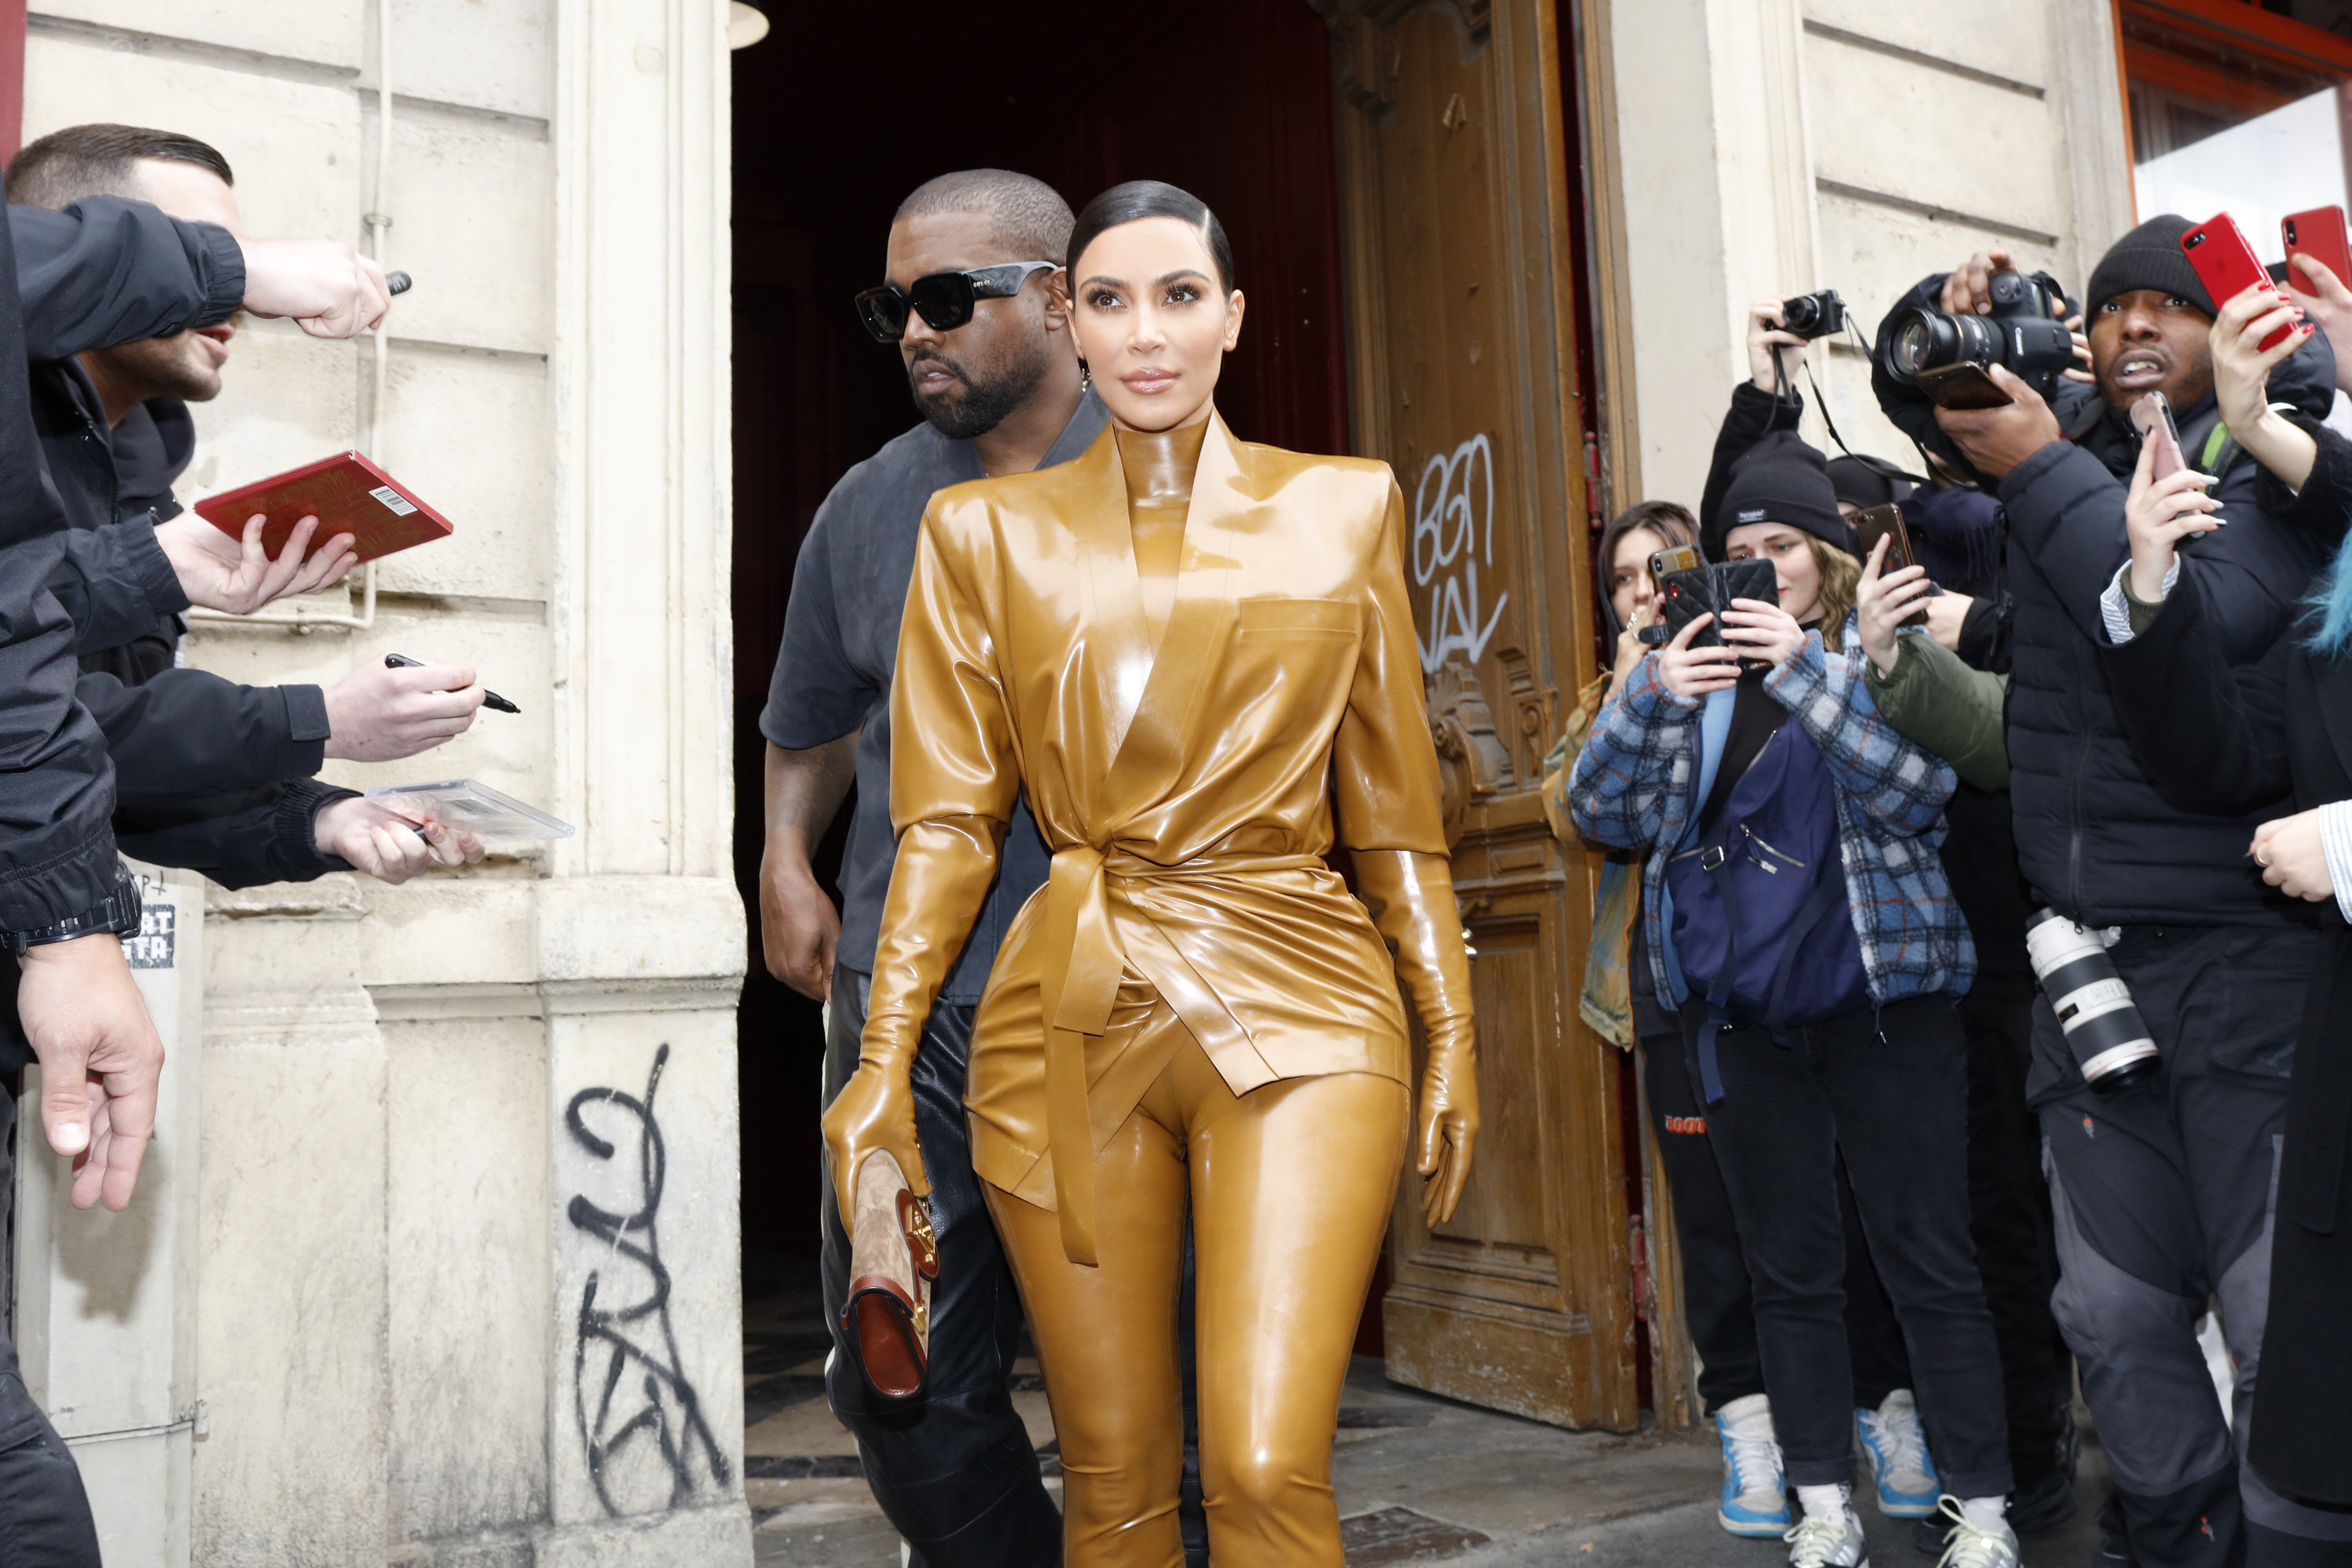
(937, 883)
(1411, 897)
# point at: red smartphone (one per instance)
(346, 493)
(2226, 263)
(2320, 235)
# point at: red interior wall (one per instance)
(12, 77)
(837, 118)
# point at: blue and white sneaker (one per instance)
(1897, 1446)
(1754, 1493)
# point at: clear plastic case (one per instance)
(489, 814)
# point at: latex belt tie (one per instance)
(1082, 963)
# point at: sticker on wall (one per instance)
(157, 939)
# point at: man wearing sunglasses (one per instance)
(975, 311)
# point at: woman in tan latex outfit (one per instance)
(1191, 652)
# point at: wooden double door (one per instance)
(1456, 171)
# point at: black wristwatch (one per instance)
(119, 912)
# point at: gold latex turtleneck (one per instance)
(1158, 464)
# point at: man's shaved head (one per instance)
(1026, 216)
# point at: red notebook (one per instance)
(346, 494)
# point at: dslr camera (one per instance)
(1689, 588)
(1947, 356)
(1815, 315)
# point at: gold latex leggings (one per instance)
(1290, 1188)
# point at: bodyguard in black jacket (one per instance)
(2160, 1196)
(107, 273)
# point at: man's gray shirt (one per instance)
(833, 674)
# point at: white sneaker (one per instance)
(1755, 1500)
(1966, 1546)
(1897, 1449)
(1830, 1540)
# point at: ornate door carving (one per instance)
(1452, 191)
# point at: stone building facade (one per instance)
(439, 1261)
(460, 1284)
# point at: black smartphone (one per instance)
(1962, 386)
(1873, 523)
(1690, 588)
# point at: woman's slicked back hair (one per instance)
(1140, 199)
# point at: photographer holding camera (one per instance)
(2161, 1194)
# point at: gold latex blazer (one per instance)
(1186, 792)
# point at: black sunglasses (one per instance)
(944, 299)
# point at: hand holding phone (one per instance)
(2151, 416)
(2320, 234)
(1688, 588)
(1885, 522)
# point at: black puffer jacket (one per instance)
(2094, 838)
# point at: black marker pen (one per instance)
(489, 697)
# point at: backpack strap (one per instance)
(1719, 990)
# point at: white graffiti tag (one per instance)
(1452, 533)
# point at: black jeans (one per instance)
(2163, 1196)
(45, 1519)
(1892, 1097)
(954, 1471)
(2009, 1206)
(1716, 1304)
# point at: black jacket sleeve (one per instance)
(2324, 506)
(116, 584)
(2066, 512)
(56, 785)
(190, 730)
(239, 838)
(2210, 738)
(1754, 415)
(107, 271)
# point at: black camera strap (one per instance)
(1783, 391)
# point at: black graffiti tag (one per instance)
(634, 1345)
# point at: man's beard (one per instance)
(984, 405)
(176, 367)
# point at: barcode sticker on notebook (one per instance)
(400, 504)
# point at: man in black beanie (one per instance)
(2160, 1196)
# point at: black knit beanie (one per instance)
(2149, 256)
(1867, 481)
(1781, 479)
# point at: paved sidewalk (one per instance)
(1420, 1478)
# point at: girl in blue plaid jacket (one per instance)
(1881, 1084)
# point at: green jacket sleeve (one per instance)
(1946, 707)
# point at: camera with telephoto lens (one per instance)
(1946, 356)
(1815, 315)
(2104, 1030)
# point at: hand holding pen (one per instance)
(489, 697)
